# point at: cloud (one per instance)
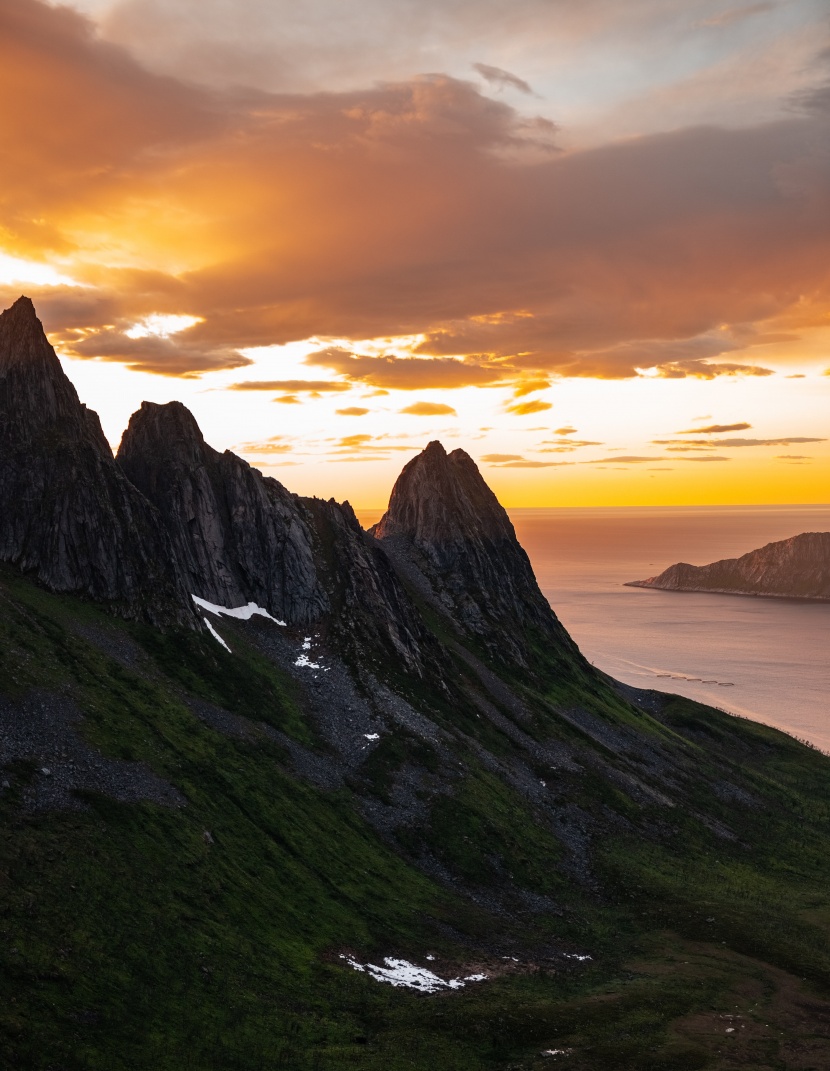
(317, 386)
(352, 410)
(176, 355)
(635, 460)
(714, 429)
(526, 408)
(428, 409)
(525, 464)
(567, 430)
(709, 370)
(712, 443)
(493, 459)
(530, 386)
(465, 224)
(269, 447)
(405, 373)
(502, 79)
(288, 399)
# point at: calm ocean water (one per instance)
(768, 659)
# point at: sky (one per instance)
(586, 242)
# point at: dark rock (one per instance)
(70, 516)
(239, 536)
(373, 616)
(795, 568)
(446, 529)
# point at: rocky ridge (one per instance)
(447, 531)
(70, 516)
(795, 568)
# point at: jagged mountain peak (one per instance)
(447, 530)
(35, 392)
(168, 429)
(22, 337)
(70, 517)
(442, 499)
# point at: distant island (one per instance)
(795, 568)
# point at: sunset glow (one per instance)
(567, 258)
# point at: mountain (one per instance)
(447, 532)
(795, 568)
(69, 516)
(240, 537)
(386, 818)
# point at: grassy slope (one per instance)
(129, 940)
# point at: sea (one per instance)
(766, 659)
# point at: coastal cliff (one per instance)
(795, 568)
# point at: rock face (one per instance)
(796, 568)
(238, 536)
(69, 515)
(242, 537)
(447, 530)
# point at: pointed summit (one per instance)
(440, 499)
(239, 536)
(446, 528)
(69, 516)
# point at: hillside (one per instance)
(795, 568)
(392, 752)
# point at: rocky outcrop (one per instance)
(242, 537)
(69, 515)
(447, 532)
(796, 568)
(238, 536)
(373, 615)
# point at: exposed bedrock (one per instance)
(796, 568)
(70, 516)
(448, 530)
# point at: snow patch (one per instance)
(215, 634)
(400, 972)
(243, 613)
(556, 1052)
(376, 736)
(305, 662)
(575, 955)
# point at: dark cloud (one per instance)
(785, 441)
(405, 373)
(179, 355)
(713, 429)
(503, 79)
(416, 207)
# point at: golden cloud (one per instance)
(428, 409)
(415, 208)
(526, 408)
(295, 386)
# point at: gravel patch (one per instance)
(42, 728)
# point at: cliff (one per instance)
(69, 515)
(447, 531)
(238, 536)
(795, 568)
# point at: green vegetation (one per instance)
(139, 937)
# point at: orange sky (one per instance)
(585, 235)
